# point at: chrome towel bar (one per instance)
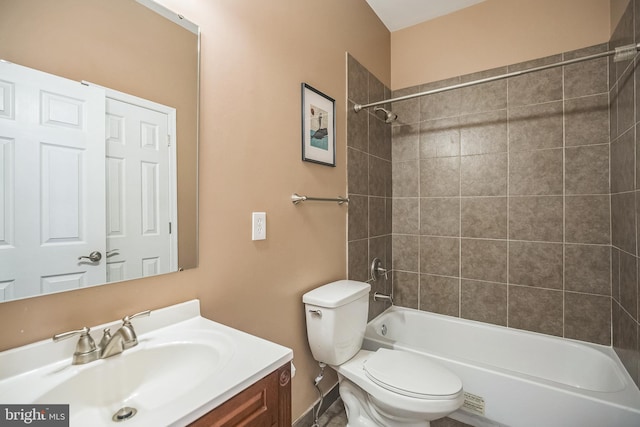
(296, 198)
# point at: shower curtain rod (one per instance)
(621, 53)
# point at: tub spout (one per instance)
(382, 297)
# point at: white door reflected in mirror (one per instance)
(51, 182)
(58, 202)
(141, 206)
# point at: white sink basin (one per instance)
(178, 372)
(148, 377)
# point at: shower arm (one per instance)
(621, 53)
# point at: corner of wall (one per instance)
(616, 10)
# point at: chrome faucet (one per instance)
(122, 339)
(110, 345)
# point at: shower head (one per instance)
(389, 116)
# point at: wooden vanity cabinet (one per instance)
(266, 403)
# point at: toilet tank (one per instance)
(336, 316)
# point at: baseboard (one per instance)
(307, 419)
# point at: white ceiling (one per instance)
(398, 14)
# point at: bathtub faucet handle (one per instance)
(377, 270)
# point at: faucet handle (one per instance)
(65, 335)
(128, 333)
(377, 270)
(86, 350)
(127, 319)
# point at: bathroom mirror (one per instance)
(140, 57)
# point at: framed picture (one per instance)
(318, 127)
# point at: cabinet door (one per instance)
(256, 406)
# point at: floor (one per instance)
(334, 416)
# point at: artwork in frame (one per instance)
(318, 127)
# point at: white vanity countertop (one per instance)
(33, 373)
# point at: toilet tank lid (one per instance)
(336, 293)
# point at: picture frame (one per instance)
(318, 127)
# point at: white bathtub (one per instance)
(516, 378)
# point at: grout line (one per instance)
(507, 196)
(459, 222)
(368, 155)
(635, 168)
(419, 217)
(564, 199)
(512, 195)
(519, 285)
(549, 242)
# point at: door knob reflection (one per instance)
(94, 256)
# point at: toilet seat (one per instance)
(384, 399)
(411, 374)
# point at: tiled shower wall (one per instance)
(625, 184)
(501, 199)
(369, 182)
(505, 202)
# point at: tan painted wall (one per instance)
(254, 57)
(492, 34)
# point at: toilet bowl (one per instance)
(379, 388)
(397, 388)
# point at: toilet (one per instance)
(379, 388)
